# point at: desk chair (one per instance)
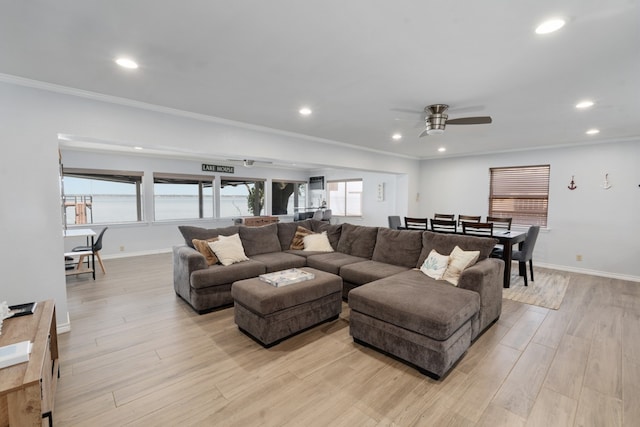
(502, 223)
(394, 222)
(97, 246)
(448, 217)
(525, 253)
(415, 223)
(477, 228)
(467, 218)
(443, 225)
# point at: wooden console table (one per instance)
(27, 389)
(257, 221)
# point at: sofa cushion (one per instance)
(413, 301)
(189, 233)
(317, 242)
(397, 247)
(297, 243)
(332, 261)
(458, 261)
(260, 240)
(228, 249)
(363, 272)
(445, 242)
(334, 231)
(276, 261)
(357, 240)
(435, 265)
(286, 231)
(203, 247)
(218, 275)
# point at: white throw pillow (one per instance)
(435, 265)
(458, 261)
(228, 249)
(318, 242)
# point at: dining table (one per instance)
(508, 238)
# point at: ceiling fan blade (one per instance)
(470, 120)
(424, 133)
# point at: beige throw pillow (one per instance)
(317, 242)
(298, 239)
(202, 246)
(435, 265)
(458, 261)
(229, 249)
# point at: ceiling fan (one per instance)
(436, 119)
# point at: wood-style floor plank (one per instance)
(138, 355)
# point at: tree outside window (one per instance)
(241, 197)
(287, 197)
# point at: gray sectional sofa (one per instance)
(394, 306)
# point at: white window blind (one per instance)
(520, 193)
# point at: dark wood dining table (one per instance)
(507, 239)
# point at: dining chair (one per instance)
(525, 253)
(415, 223)
(498, 222)
(317, 215)
(326, 215)
(443, 226)
(448, 217)
(97, 247)
(395, 222)
(467, 218)
(477, 228)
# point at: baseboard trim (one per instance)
(133, 254)
(598, 273)
(63, 328)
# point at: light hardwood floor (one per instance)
(138, 355)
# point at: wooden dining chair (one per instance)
(467, 218)
(498, 222)
(448, 217)
(96, 248)
(477, 228)
(415, 223)
(443, 225)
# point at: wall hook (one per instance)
(606, 184)
(572, 184)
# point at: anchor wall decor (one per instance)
(572, 184)
(606, 184)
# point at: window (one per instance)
(521, 193)
(178, 196)
(241, 197)
(101, 196)
(345, 197)
(287, 197)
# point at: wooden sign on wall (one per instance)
(217, 168)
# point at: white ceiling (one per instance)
(354, 62)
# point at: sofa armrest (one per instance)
(485, 278)
(186, 260)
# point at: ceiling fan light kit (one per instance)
(436, 120)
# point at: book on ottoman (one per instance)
(286, 277)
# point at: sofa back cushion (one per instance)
(286, 231)
(397, 247)
(357, 240)
(189, 233)
(444, 243)
(334, 231)
(260, 240)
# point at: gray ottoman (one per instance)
(423, 322)
(270, 314)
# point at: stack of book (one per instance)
(15, 353)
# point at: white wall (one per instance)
(601, 225)
(31, 119)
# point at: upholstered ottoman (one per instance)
(423, 322)
(270, 314)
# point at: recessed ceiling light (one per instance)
(137, 148)
(584, 104)
(396, 137)
(592, 132)
(127, 63)
(550, 26)
(305, 111)
(442, 149)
